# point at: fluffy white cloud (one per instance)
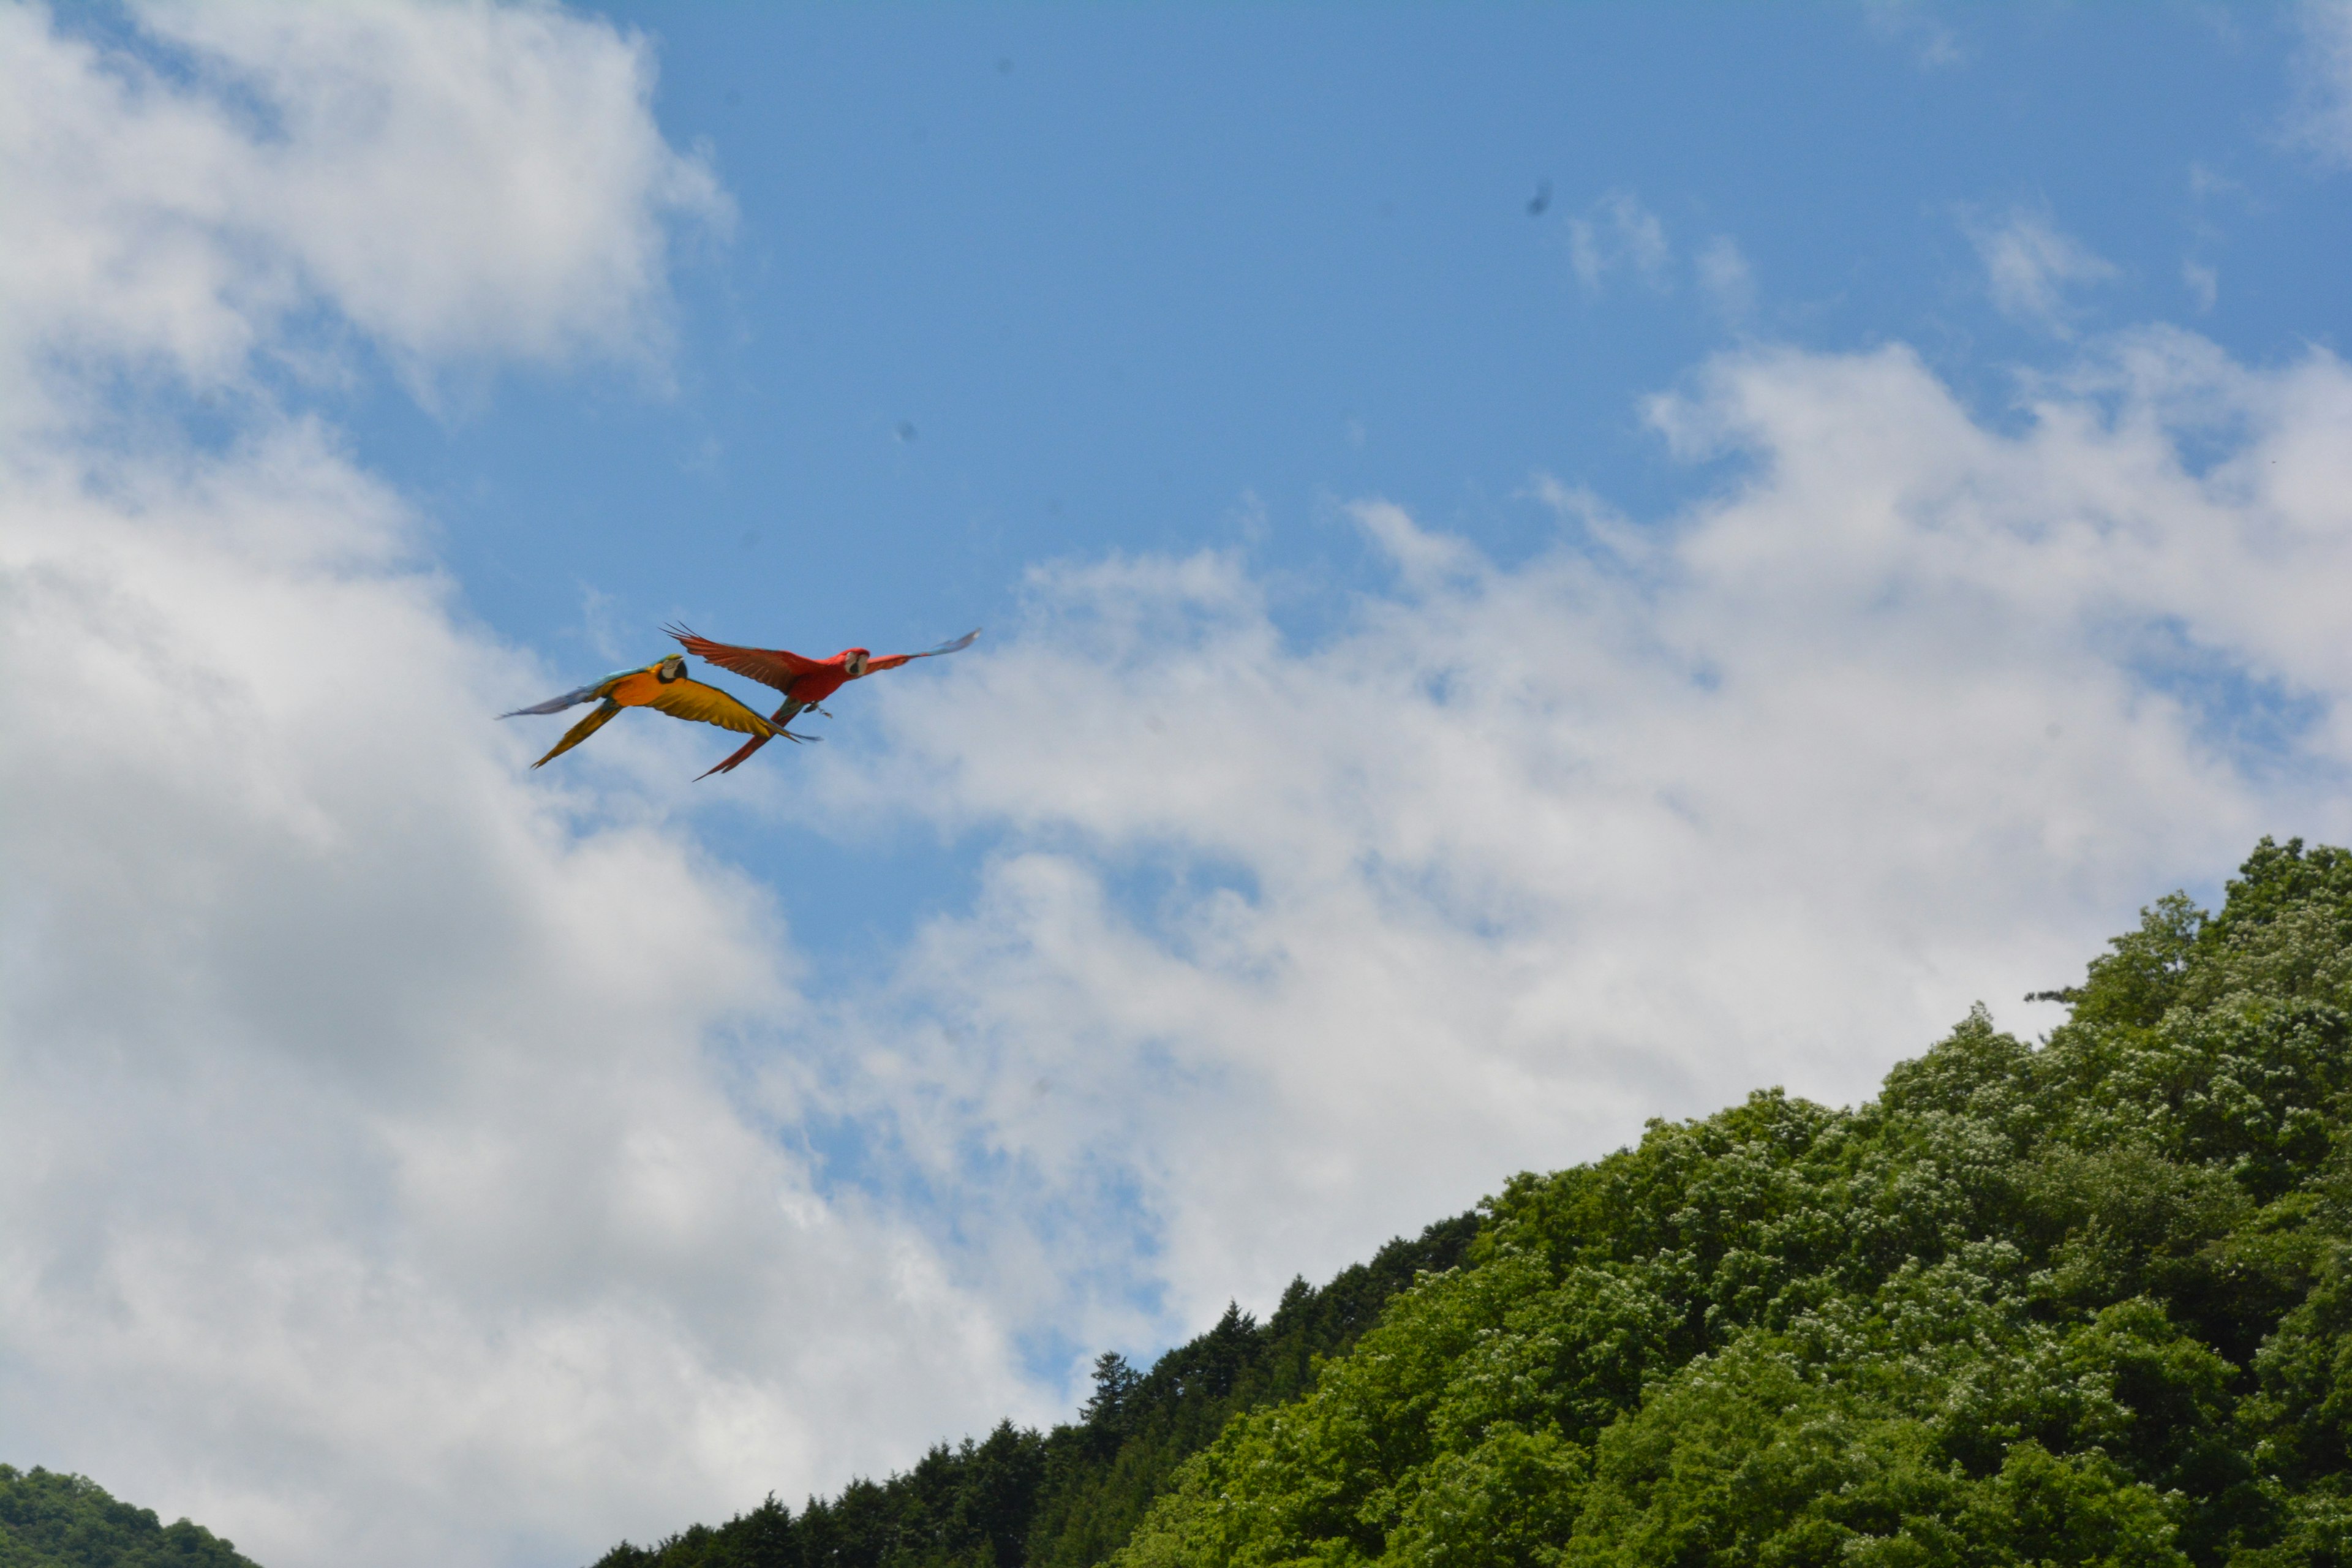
(2030, 264)
(2323, 120)
(395, 1159)
(370, 1185)
(1307, 945)
(1934, 46)
(1725, 279)
(462, 182)
(1617, 232)
(2203, 282)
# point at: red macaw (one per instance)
(661, 685)
(805, 682)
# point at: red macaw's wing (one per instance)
(684, 699)
(768, 666)
(894, 660)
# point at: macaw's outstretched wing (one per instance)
(894, 660)
(768, 666)
(558, 704)
(578, 732)
(782, 718)
(684, 699)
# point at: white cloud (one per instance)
(1616, 232)
(2322, 119)
(1725, 277)
(397, 1157)
(458, 183)
(2204, 283)
(1935, 47)
(371, 1185)
(1911, 715)
(2207, 183)
(2028, 265)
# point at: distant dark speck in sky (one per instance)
(1540, 200)
(906, 431)
(1004, 65)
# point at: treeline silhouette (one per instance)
(48, 1519)
(2086, 1301)
(1068, 1498)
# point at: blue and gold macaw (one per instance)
(805, 682)
(662, 686)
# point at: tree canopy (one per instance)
(51, 1521)
(1069, 1498)
(2086, 1302)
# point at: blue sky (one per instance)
(1014, 285)
(1542, 567)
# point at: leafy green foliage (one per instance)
(1069, 1498)
(2088, 1302)
(50, 1520)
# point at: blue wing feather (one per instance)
(957, 645)
(558, 704)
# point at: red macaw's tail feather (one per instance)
(731, 764)
(780, 718)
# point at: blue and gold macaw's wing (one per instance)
(684, 699)
(894, 660)
(578, 732)
(558, 704)
(602, 687)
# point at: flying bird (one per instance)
(805, 682)
(663, 686)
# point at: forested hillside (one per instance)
(1071, 1497)
(2089, 1302)
(49, 1520)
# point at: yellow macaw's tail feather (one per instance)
(581, 731)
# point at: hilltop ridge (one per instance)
(53, 1521)
(2086, 1301)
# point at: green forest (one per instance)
(2082, 1302)
(50, 1520)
